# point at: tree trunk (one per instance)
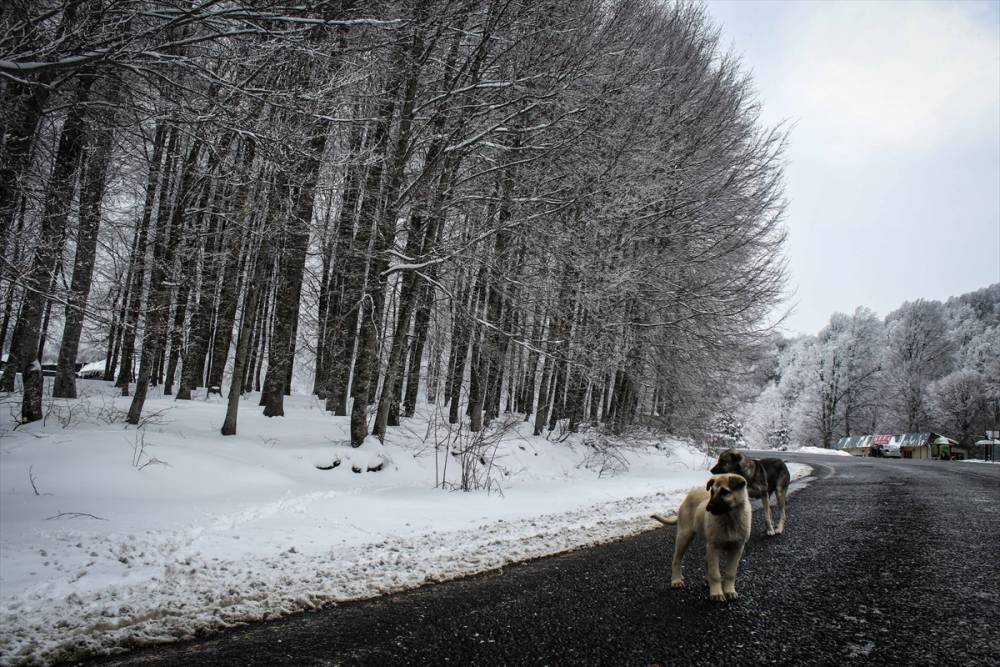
(417, 239)
(7, 308)
(114, 334)
(200, 327)
(356, 294)
(422, 315)
(594, 414)
(232, 274)
(43, 335)
(558, 392)
(527, 402)
(331, 239)
(48, 251)
(158, 302)
(542, 412)
(476, 388)
(91, 196)
(406, 64)
(258, 338)
(341, 315)
(262, 267)
(25, 103)
(117, 333)
(420, 242)
(131, 323)
(576, 399)
(183, 278)
(461, 337)
(391, 386)
(14, 257)
(176, 336)
(288, 290)
(421, 323)
(496, 338)
(515, 360)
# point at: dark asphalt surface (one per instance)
(882, 562)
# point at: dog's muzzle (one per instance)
(716, 508)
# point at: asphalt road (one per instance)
(882, 562)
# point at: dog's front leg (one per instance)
(733, 555)
(712, 573)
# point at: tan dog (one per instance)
(720, 515)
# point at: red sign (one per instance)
(881, 439)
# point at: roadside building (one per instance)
(932, 446)
(903, 445)
(855, 445)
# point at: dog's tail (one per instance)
(665, 520)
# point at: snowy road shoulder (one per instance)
(114, 552)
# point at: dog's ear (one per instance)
(711, 482)
(737, 482)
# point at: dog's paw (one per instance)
(772, 531)
(677, 583)
(779, 530)
(732, 595)
(718, 597)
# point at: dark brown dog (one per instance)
(764, 477)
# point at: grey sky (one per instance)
(894, 161)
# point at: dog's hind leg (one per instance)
(733, 555)
(780, 493)
(684, 537)
(712, 574)
(766, 502)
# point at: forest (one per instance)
(927, 366)
(566, 209)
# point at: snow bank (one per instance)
(822, 450)
(113, 537)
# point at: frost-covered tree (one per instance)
(958, 404)
(982, 355)
(568, 209)
(768, 420)
(862, 402)
(860, 375)
(918, 351)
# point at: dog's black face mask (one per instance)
(718, 508)
(727, 464)
(719, 503)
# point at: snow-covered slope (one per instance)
(113, 536)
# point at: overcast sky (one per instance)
(894, 160)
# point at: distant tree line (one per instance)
(928, 366)
(559, 208)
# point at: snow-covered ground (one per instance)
(822, 450)
(114, 536)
